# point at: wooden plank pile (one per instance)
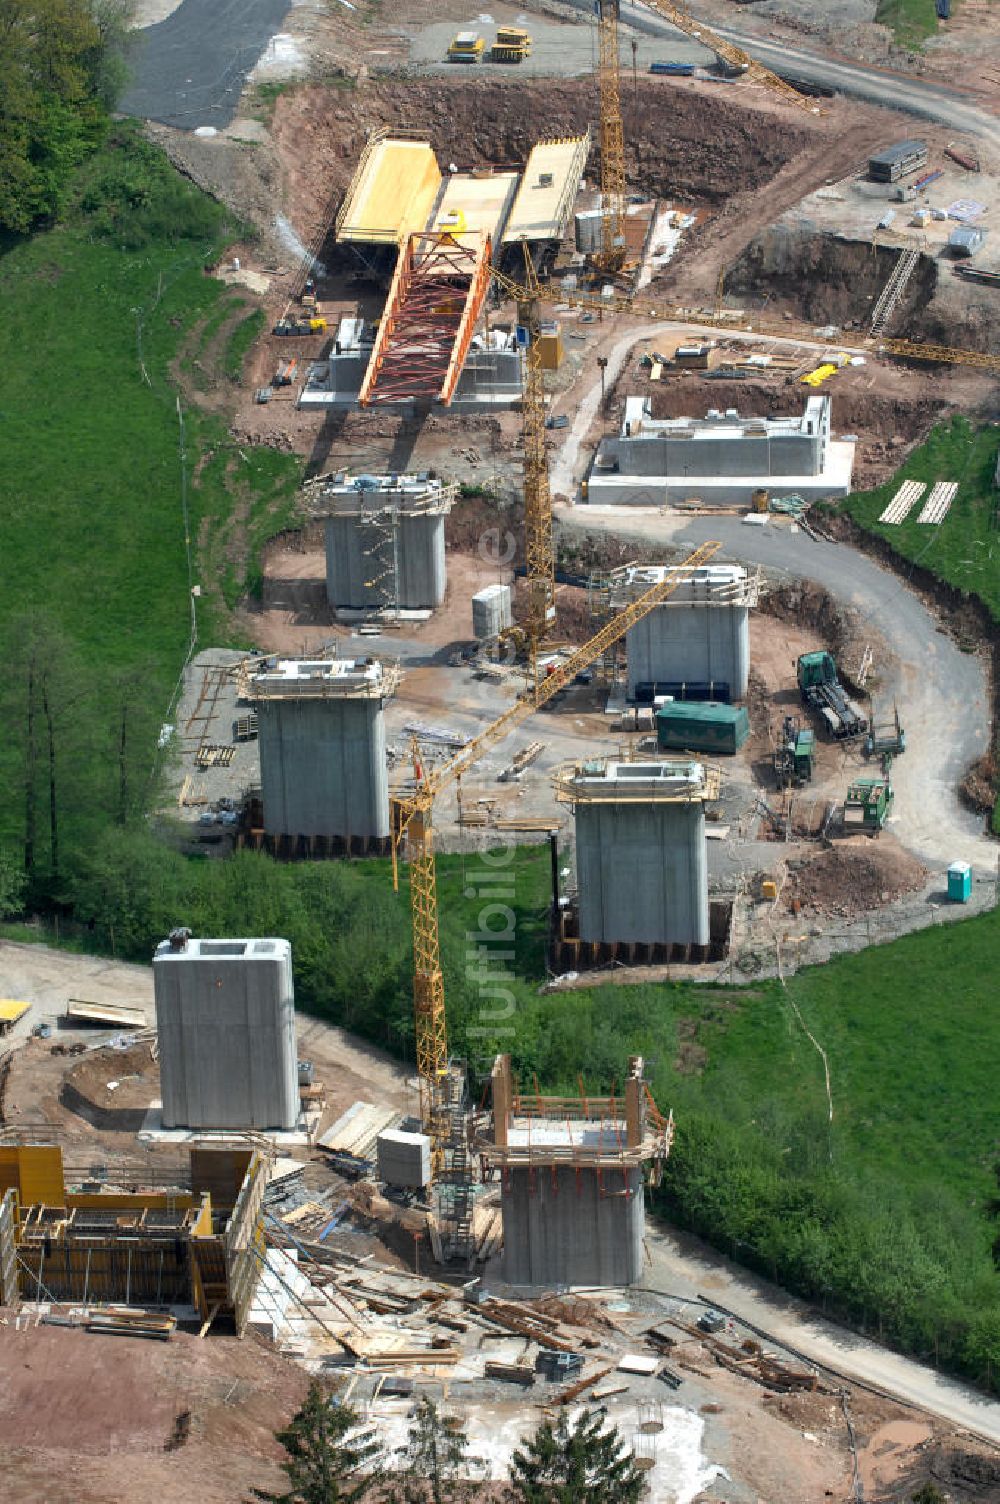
(938, 504)
(903, 502)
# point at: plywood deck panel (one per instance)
(483, 201)
(542, 213)
(392, 194)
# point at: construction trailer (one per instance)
(821, 691)
(705, 726)
(868, 804)
(899, 161)
(572, 1172)
(133, 1236)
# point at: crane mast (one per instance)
(539, 553)
(413, 839)
(612, 141)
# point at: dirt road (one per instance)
(686, 1268)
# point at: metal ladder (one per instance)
(893, 290)
(378, 528)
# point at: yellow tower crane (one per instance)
(612, 140)
(538, 547)
(611, 134)
(412, 839)
(734, 57)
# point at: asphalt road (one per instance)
(941, 691)
(189, 70)
(894, 91)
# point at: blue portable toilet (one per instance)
(959, 882)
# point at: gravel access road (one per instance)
(685, 1268)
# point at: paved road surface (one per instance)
(189, 70)
(894, 91)
(684, 1267)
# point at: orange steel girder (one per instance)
(436, 294)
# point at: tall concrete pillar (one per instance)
(321, 733)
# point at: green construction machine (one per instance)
(793, 757)
(868, 804)
(821, 690)
(885, 738)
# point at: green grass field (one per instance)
(91, 481)
(885, 1215)
(965, 548)
(911, 21)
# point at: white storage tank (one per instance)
(225, 1016)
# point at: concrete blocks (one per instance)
(491, 612)
(225, 1015)
(404, 1158)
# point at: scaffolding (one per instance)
(715, 585)
(609, 1135)
(318, 679)
(605, 780)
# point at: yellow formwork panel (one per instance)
(472, 203)
(392, 194)
(35, 1171)
(548, 190)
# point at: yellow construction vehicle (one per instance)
(511, 46)
(466, 47)
(412, 839)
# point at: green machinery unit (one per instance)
(793, 758)
(821, 690)
(868, 804)
(701, 726)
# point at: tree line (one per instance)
(62, 68)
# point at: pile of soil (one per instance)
(851, 880)
(804, 603)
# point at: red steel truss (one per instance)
(430, 314)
